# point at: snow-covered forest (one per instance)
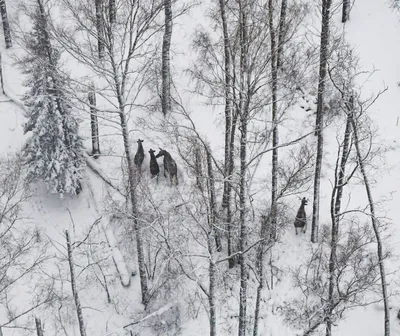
(216, 167)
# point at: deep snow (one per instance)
(374, 30)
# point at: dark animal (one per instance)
(301, 218)
(154, 168)
(139, 156)
(169, 166)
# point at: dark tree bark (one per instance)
(94, 123)
(336, 200)
(275, 136)
(6, 24)
(100, 27)
(323, 61)
(1, 75)
(39, 328)
(73, 286)
(112, 9)
(166, 61)
(345, 10)
(282, 31)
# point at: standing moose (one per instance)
(139, 156)
(301, 218)
(154, 168)
(169, 166)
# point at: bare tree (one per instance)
(23, 251)
(39, 328)
(336, 199)
(112, 9)
(166, 61)
(345, 10)
(73, 286)
(374, 221)
(282, 33)
(275, 136)
(124, 80)
(323, 61)
(6, 24)
(100, 26)
(94, 124)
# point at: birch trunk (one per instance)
(275, 139)
(336, 200)
(243, 108)
(211, 287)
(213, 205)
(1, 75)
(326, 13)
(282, 27)
(230, 127)
(132, 189)
(228, 100)
(100, 27)
(345, 10)
(6, 24)
(260, 271)
(73, 286)
(39, 329)
(375, 226)
(94, 122)
(166, 66)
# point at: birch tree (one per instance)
(124, 75)
(244, 102)
(166, 66)
(6, 24)
(275, 136)
(375, 223)
(100, 26)
(230, 126)
(94, 123)
(75, 294)
(319, 126)
(345, 10)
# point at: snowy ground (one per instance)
(373, 29)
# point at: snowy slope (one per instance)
(373, 29)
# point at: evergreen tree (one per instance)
(54, 150)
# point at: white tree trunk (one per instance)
(336, 200)
(375, 226)
(166, 61)
(282, 31)
(100, 27)
(73, 286)
(275, 135)
(94, 122)
(323, 61)
(244, 115)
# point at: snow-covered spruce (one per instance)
(54, 149)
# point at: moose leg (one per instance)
(295, 229)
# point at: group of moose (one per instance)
(170, 167)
